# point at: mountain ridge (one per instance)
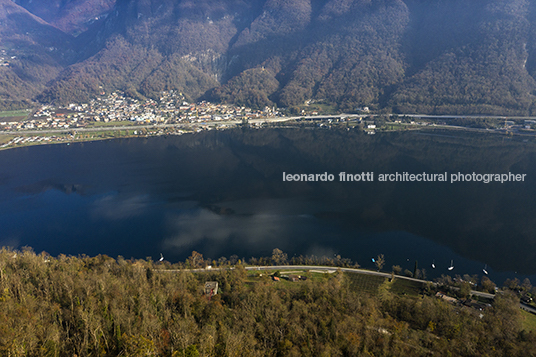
(390, 55)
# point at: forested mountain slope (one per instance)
(32, 53)
(71, 16)
(88, 306)
(406, 56)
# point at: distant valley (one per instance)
(411, 56)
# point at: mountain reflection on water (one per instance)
(222, 193)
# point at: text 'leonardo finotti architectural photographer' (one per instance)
(406, 177)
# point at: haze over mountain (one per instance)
(452, 57)
(71, 16)
(35, 52)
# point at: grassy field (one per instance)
(364, 282)
(99, 124)
(254, 277)
(529, 321)
(5, 138)
(395, 126)
(406, 287)
(96, 135)
(323, 109)
(15, 113)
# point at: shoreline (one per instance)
(115, 132)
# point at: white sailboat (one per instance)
(484, 270)
(451, 265)
(433, 264)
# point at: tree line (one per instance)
(101, 306)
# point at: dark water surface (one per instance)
(222, 193)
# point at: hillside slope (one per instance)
(89, 306)
(32, 54)
(401, 55)
(70, 16)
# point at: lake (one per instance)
(222, 193)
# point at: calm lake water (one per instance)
(222, 193)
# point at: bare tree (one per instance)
(397, 269)
(278, 257)
(380, 261)
(196, 259)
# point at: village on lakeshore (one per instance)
(119, 115)
(171, 110)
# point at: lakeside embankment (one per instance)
(370, 124)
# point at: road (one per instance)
(527, 308)
(92, 129)
(260, 121)
(332, 270)
(359, 271)
(178, 125)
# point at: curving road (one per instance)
(330, 270)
